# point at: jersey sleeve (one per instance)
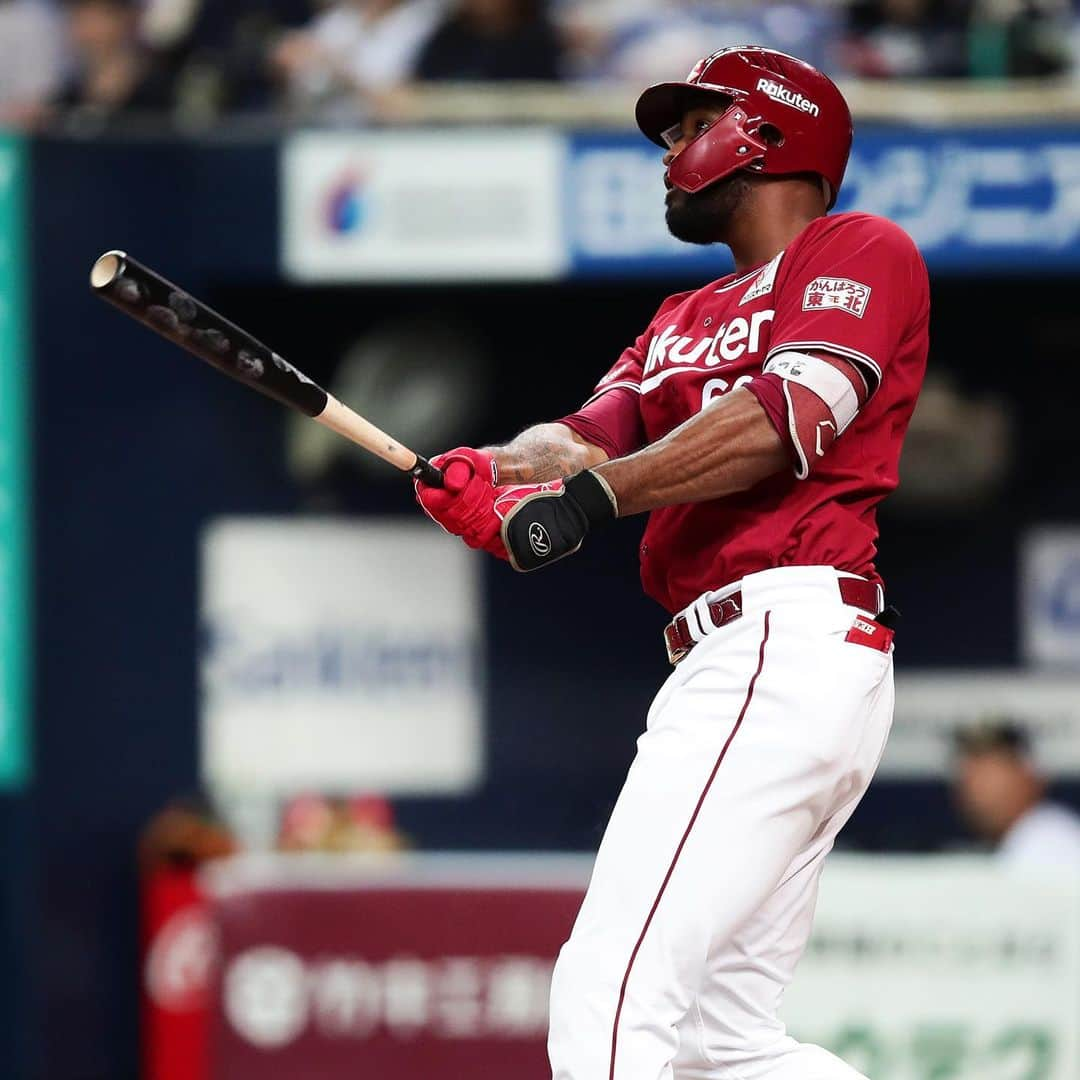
(857, 289)
(611, 417)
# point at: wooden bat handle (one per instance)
(341, 419)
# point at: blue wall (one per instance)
(133, 452)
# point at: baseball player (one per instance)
(758, 421)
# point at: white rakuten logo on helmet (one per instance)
(788, 97)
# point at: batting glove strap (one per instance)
(550, 522)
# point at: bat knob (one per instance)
(426, 473)
(107, 269)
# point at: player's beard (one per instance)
(705, 217)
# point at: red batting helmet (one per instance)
(783, 117)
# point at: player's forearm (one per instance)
(544, 452)
(728, 447)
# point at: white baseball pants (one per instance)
(756, 751)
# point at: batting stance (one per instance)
(758, 420)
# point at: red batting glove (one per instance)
(464, 506)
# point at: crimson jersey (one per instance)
(853, 285)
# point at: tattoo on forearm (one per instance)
(542, 463)
(534, 458)
(545, 463)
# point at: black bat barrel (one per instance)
(173, 313)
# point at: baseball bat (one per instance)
(178, 317)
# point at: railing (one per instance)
(612, 104)
(609, 105)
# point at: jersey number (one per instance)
(715, 388)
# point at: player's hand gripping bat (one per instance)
(171, 312)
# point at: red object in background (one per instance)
(372, 811)
(440, 970)
(178, 955)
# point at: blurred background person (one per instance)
(353, 52)
(31, 60)
(363, 823)
(906, 39)
(183, 834)
(112, 71)
(643, 42)
(493, 40)
(1019, 38)
(1002, 795)
(216, 51)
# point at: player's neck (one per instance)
(776, 213)
(758, 241)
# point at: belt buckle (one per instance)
(675, 653)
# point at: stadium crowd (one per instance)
(91, 61)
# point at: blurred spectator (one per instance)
(1027, 38)
(216, 52)
(642, 42)
(165, 23)
(903, 39)
(493, 40)
(1002, 795)
(185, 834)
(113, 73)
(362, 824)
(31, 60)
(355, 50)
(956, 38)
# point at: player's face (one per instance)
(701, 218)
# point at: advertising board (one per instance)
(339, 656)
